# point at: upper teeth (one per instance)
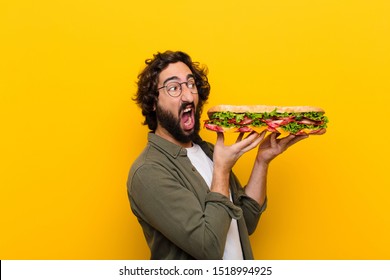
(187, 110)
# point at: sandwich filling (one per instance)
(284, 123)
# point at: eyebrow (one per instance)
(177, 78)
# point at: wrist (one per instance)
(221, 168)
(220, 182)
(262, 161)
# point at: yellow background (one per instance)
(70, 131)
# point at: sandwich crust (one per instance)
(262, 109)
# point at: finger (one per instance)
(286, 140)
(272, 139)
(254, 136)
(255, 140)
(266, 138)
(262, 134)
(249, 142)
(240, 136)
(296, 139)
(322, 131)
(220, 138)
(253, 144)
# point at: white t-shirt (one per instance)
(204, 165)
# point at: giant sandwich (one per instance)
(285, 120)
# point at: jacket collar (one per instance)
(166, 146)
(174, 150)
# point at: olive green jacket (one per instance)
(180, 217)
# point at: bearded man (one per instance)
(182, 190)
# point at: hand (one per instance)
(226, 156)
(272, 147)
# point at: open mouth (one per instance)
(187, 118)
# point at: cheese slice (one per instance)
(229, 129)
(307, 130)
(259, 129)
(283, 133)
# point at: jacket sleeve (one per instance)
(159, 199)
(251, 209)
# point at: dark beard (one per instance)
(172, 124)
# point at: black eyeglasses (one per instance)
(174, 89)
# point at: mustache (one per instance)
(185, 105)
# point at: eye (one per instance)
(172, 87)
(191, 84)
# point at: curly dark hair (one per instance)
(147, 93)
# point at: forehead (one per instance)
(179, 70)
